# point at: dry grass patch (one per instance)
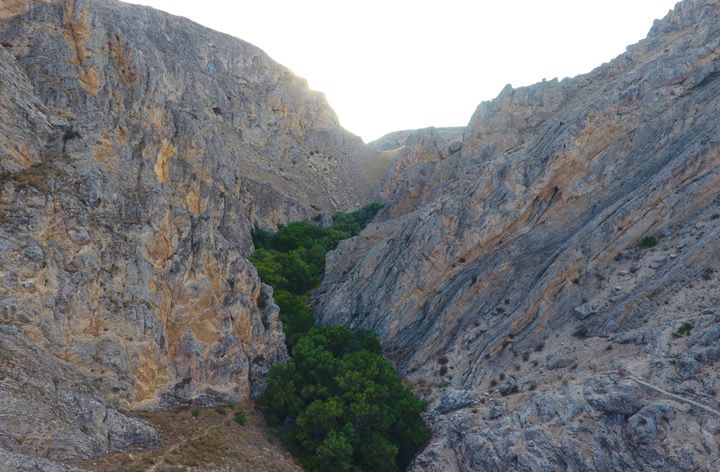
(204, 440)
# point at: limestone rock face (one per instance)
(137, 152)
(398, 139)
(483, 256)
(418, 169)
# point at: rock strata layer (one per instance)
(552, 287)
(137, 152)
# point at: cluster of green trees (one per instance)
(292, 260)
(338, 405)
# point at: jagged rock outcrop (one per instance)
(398, 139)
(137, 152)
(526, 250)
(418, 170)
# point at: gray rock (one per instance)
(509, 387)
(573, 406)
(709, 336)
(657, 263)
(548, 406)
(455, 399)
(40, 391)
(635, 337)
(612, 399)
(79, 236)
(709, 386)
(706, 355)
(488, 252)
(14, 462)
(645, 425)
(189, 345)
(584, 311)
(326, 220)
(126, 433)
(34, 252)
(558, 362)
(688, 367)
(495, 412)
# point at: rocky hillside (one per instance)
(547, 277)
(137, 152)
(553, 286)
(397, 139)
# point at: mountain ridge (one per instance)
(545, 277)
(533, 230)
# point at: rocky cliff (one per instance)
(137, 152)
(552, 287)
(547, 277)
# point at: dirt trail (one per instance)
(184, 442)
(204, 440)
(674, 396)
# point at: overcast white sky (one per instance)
(386, 65)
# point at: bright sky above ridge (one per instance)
(396, 64)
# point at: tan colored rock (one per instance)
(137, 153)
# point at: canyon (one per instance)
(547, 278)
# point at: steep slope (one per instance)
(418, 169)
(514, 290)
(397, 139)
(137, 152)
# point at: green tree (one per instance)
(334, 454)
(333, 385)
(296, 316)
(337, 404)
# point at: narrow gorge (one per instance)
(546, 279)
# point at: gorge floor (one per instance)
(203, 440)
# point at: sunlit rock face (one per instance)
(137, 152)
(512, 283)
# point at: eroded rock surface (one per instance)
(137, 152)
(522, 262)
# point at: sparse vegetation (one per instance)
(337, 404)
(240, 417)
(202, 443)
(683, 330)
(70, 134)
(581, 331)
(648, 242)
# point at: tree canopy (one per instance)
(338, 405)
